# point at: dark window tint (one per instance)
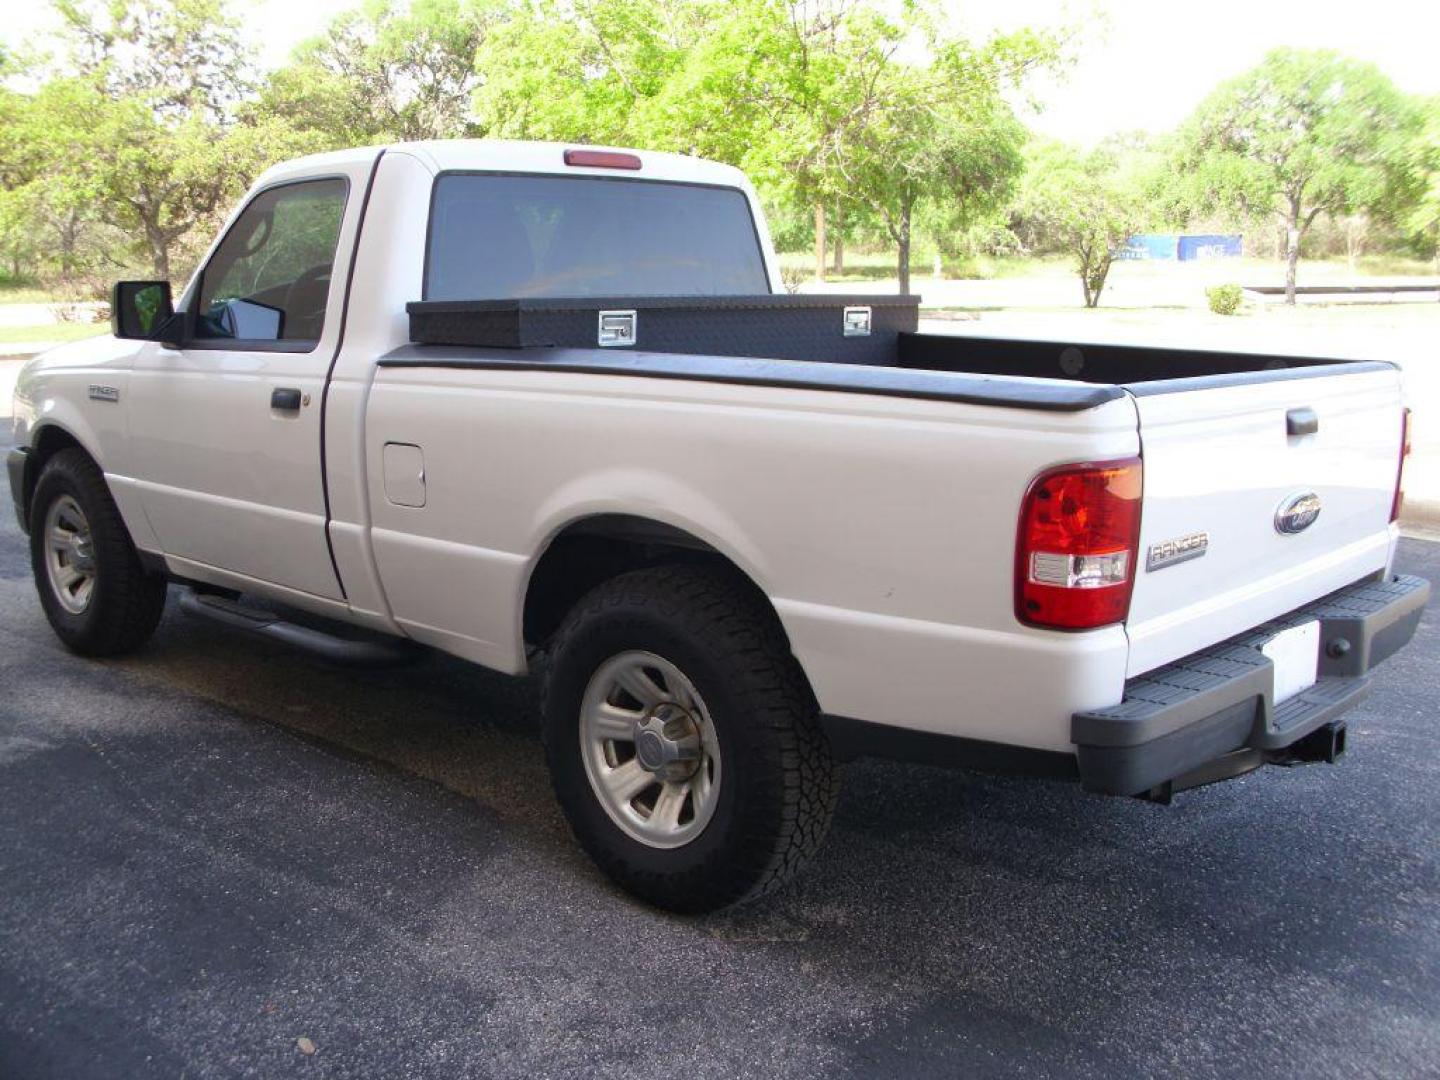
(500, 237)
(270, 277)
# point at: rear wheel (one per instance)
(683, 739)
(97, 596)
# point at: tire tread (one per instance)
(745, 640)
(129, 601)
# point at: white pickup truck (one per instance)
(1142, 569)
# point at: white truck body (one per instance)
(419, 500)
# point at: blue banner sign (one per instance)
(1172, 247)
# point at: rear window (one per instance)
(500, 237)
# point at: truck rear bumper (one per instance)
(15, 462)
(1212, 714)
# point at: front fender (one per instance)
(17, 463)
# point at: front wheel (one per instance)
(97, 596)
(683, 740)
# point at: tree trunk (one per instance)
(902, 261)
(1292, 250)
(1356, 229)
(67, 247)
(1098, 277)
(837, 243)
(819, 241)
(159, 245)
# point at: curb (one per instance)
(1420, 514)
(23, 350)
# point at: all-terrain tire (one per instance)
(779, 782)
(125, 602)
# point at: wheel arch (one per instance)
(592, 549)
(47, 439)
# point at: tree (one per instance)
(388, 71)
(182, 57)
(41, 134)
(748, 82)
(1084, 204)
(654, 74)
(145, 135)
(806, 96)
(1303, 134)
(1420, 198)
(942, 133)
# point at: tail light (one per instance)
(1077, 545)
(1399, 500)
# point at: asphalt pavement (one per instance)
(217, 848)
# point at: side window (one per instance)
(270, 277)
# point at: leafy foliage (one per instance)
(1305, 133)
(1419, 199)
(875, 123)
(1225, 299)
(386, 72)
(181, 57)
(808, 97)
(136, 149)
(1086, 205)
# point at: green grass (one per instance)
(1394, 266)
(23, 292)
(880, 266)
(13, 335)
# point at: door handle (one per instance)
(1301, 421)
(285, 399)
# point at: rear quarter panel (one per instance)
(882, 529)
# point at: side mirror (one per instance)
(142, 310)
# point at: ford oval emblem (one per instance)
(1297, 513)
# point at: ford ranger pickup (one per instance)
(407, 400)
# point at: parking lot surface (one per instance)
(217, 848)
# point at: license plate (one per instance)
(1296, 656)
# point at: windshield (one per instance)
(495, 237)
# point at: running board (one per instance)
(337, 650)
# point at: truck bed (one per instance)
(814, 342)
(1139, 369)
(1045, 375)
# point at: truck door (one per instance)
(226, 428)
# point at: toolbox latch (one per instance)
(857, 322)
(616, 328)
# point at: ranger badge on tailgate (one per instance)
(1181, 549)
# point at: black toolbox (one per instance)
(840, 329)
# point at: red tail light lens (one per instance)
(602, 159)
(1077, 545)
(1399, 500)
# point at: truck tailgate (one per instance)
(1220, 461)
